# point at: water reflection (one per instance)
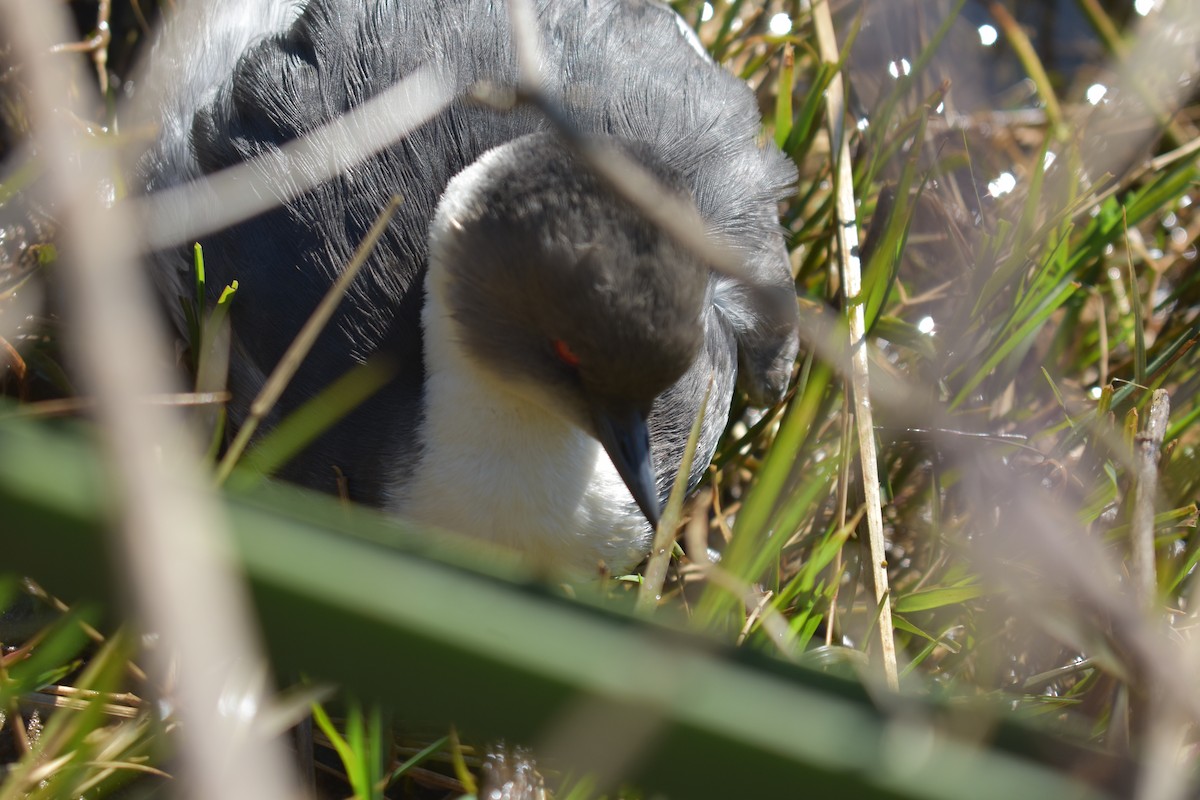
(899, 67)
(780, 24)
(1004, 183)
(994, 114)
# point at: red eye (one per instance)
(565, 354)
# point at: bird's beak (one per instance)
(627, 440)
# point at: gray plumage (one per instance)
(271, 70)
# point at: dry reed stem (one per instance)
(847, 250)
(169, 536)
(1149, 445)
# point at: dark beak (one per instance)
(627, 440)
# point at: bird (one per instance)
(551, 345)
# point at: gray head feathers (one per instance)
(557, 281)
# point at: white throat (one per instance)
(496, 466)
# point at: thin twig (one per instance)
(1149, 445)
(1181, 153)
(843, 505)
(185, 213)
(650, 592)
(1058, 673)
(1026, 53)
(34, 589)
(847, 235)
(53, 700)
(73, 405)
(96, 44)
(758, 608)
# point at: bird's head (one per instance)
(563, 293)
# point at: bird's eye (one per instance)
(565, 353)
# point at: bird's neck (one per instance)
(497, 466)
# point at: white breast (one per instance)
(496, 466)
